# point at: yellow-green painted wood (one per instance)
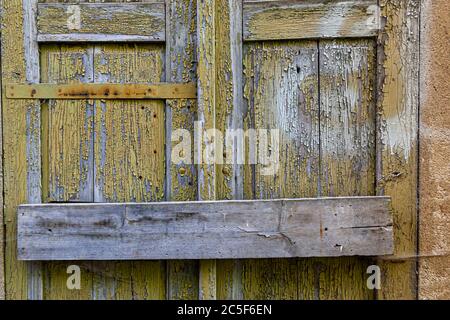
(347, 149)
(281, 92)
(398, 105)
(14, 128)
(181, 177)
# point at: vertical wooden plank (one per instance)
(33, 133)
(228, 59)
(181, 173)
(67, 150)
(229, 119)
(129, 135)
(68, 145)
(206, 121)
(33, 115)
(347, 123)
(129, 158)
(347, 139)
(15, 143)
(2, 229)
(398, 89)
(281, 93)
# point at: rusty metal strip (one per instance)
(102, 91)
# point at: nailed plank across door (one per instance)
(101, 22)
(287, 19)
(206, 230)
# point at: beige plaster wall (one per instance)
(434, 212)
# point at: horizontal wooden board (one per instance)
(102, 91)
(323, 227)
(101, 22)
(273, 20)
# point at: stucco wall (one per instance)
(434, 214)
(2, 237)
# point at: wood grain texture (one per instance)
(14, 144)
(129, 157)
(398, 99)
(181, 176)
(33, 132)
(206, 78)
(67, 149)
(67, 127)
(287, 19)
(348, 115)
(279, 278)
(2, 203)
(229, 116)
(281, 92)
(108, 91)
(101, 22)
(347, 143)
(206, 230)
(129, 135)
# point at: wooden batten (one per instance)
(101, 22)
(275, 20)
(322, 227)
(102, 91)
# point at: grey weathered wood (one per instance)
(33, 132)
(287, 19)
(182, 275)
(33, 112)
(324, 227)
(101, 22)
(230, 116)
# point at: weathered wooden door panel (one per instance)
(347, 117)
(114, 151)
(105, 151)
(320, 95)
(281, 93)
(129, 135)
(67, 127)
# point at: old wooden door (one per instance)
(329, 75)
